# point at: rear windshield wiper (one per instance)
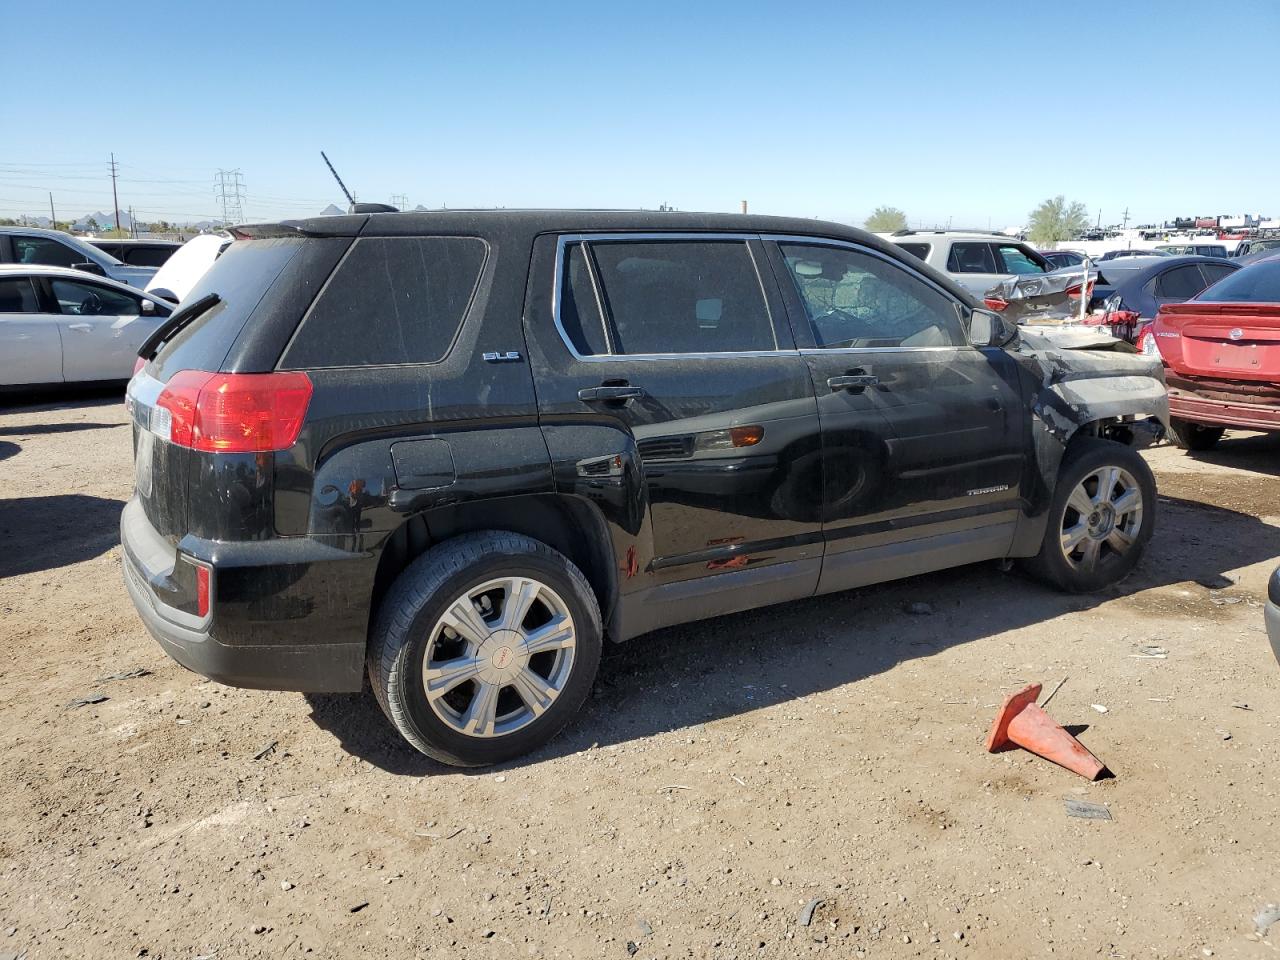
(177, 320)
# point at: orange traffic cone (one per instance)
(1020, 721)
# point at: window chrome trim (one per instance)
(960, 307)
(565, 239)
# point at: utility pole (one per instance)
(228, 187)
(744, 206)
(115, 200)
(1126, 218)
(53, 220)
(133, 223)
(399, 200)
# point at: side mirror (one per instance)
(989, 329)
(147, 306)
(89, 267)
(164, 293)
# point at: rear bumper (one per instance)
(254, 660)
(1223, 413)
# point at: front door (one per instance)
(923, 436)
(30, 346)
(669, 350)
(102, 329)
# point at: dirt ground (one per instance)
(722, 776)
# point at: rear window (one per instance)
(1258, 283)
(971, 258)
(240, 278)
(918, 250)
(392, 300)
(146, 256)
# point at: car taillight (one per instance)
(1146, 342)
(232, 412)
(995, 303)
(138, 365)
(1074, 292)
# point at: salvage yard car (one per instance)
(1221, 351)
(32, 246)
(456, 451)
(976, 261)
(61, 326)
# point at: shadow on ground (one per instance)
(715, 669)
(1255, 452)
(35, 429)
(8, 449)
(44, 533)
(61, 398)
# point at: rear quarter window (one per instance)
(918, 250)
(392, 300)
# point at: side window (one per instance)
(580, 315)
(1180, 283)
(1213, 272)
(90, 300)
(146, 256)
(1017, 260)
(391, 300)
(918, 250)
(18, 296)
(856, 300)
(46, 252)
(681, 296)
(971, 258)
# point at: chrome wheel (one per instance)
(1102, 518)
(499, 656)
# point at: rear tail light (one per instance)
(1146, 342)
(995, 303)
(1074, 292)
(233, 412)
(138, 365)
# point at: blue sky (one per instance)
(970, 111)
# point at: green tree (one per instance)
(886, 220)
(1056, 220)
(93, 225)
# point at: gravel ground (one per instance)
(723, 776)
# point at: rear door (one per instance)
(923, 435)
(30, 344)
(102, 328)
(674, 345)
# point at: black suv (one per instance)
(455, 451)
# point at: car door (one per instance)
(30, 343)
(973, 265)
(668, 357)
(1176, 285)
(923, 434)
(101, 328)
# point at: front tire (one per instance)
(1194, 436)
(484, 648)
(1100, 519)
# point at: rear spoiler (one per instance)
(1203, 309)
(344, 226)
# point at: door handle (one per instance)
(622, 393)
(81, 327)
(854, 382)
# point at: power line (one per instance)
(228, 187)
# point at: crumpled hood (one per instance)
(1040, 296)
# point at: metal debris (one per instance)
(359, 906)
(1086, 810)
(1052, 693)
(126, 675)
(632, 948)
(267, 750)
(806, 915)
(88, 700)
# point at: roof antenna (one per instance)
(357, 207)
(350, 199)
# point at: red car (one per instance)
(1221, 352)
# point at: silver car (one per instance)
(32, 246)
(976, 261)
(59, 325)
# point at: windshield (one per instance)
(1258, 283)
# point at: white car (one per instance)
(180, 272)
(32, 246)
(976, 261)
(59, 325)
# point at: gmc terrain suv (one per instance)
(456, 451)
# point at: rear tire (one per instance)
(1194, 436)
(1100, 518)
(505, 634)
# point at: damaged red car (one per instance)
(1221, 352)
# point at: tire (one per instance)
(1068, 558)
(469, 581)
(1194, 436)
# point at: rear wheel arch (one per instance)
(569, 525)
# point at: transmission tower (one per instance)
(400, 200)
(228, 188)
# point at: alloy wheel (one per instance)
(499, 656)
(1102, 517)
